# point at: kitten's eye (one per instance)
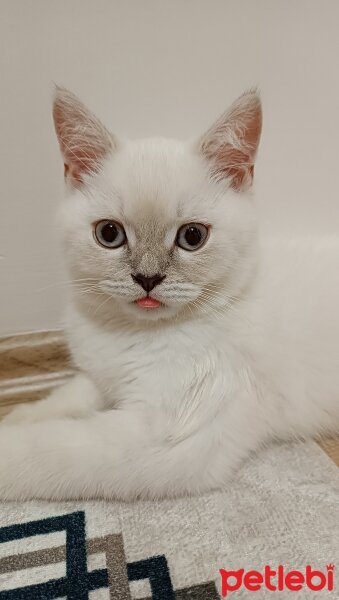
(192, 236)
(110, 234)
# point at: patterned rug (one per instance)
(282, 509)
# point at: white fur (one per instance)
(173, 400)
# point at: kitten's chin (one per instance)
(150, 314)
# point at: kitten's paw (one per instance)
(78, 398)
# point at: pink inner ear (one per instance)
(231, 144)
(84, 141)
(235, 165)
(77, 163)
(73, 173)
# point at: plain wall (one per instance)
(165, 67)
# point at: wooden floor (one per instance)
(31, 365)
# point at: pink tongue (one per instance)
(148, 302)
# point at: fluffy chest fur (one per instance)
(185, 367)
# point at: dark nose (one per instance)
(148, 283)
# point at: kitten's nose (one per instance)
(148, 283)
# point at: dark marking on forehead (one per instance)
(150, 229)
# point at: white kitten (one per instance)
(196, 343)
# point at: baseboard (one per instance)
(31, 364)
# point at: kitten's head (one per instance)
(157, 227)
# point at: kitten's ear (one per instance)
(83, 140)
(232, 142)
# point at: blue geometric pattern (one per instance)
(79, 581)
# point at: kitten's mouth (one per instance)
(148, 302)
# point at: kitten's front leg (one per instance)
(77, 398)
(65, 458)
(112, 454)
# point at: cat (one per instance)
(197, 342)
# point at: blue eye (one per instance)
(192, 236)
(110, 234)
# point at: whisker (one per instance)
(109, 297)
(67, 282)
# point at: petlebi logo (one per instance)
(277, 579)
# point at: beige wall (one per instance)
(159, 67)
